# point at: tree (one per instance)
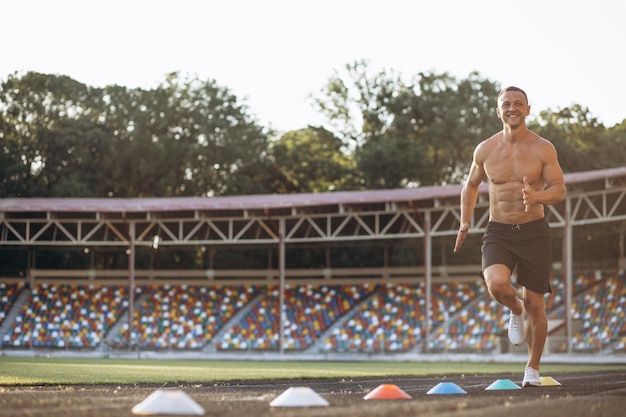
(312, 160)
(185, 137)
(613, 146)
(14, 172)
(390, 161)
(417, 133)
(446, 118)
(44, 120)
(355, 103)
(577, 136)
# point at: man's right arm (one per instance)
(469, 197)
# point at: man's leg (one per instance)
(537, 326)
(498, 280)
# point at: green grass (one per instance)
(71, 371)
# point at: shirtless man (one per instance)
(523, 173)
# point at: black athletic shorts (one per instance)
(527, 246)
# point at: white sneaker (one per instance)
(531, 378)
(517, 327)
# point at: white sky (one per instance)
(274, 53)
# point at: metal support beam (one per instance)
(281, 278)
(567, 262)
(428, 279)
(131, 282)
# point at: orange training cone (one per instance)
(387, 392)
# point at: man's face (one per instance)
(513, 108)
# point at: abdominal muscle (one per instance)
(507, 205)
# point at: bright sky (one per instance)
(274, 53)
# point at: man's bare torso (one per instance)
(505, 164)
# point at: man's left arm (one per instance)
(554, 190)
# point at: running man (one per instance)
(523, 174)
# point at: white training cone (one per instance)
(167, 402)
(299, 397)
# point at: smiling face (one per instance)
(513, 108)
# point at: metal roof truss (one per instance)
(324, 224)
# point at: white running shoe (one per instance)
(531, 378)
(517, 327)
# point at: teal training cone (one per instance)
(502, 384)
(446, 388)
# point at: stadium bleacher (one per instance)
(184, 317)
(309, 311)
(65, 316)
(332, 318)
(388, 321)
(8, 295)
(602, 313)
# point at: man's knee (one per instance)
(497, 275)
(498, 280)
(534, 304)
(498, 288)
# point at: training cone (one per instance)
(502, 384)
(548, 381)
(446, 388)
(387, 392)
(299, 397)
(164, 402)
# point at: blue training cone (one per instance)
(502, 384)
(446, 388)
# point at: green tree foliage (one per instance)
(448, 118)
(14, 172)
(575, 134)
(185, 137)
(45, 136)
(409, 133)
(614, 146)
(582, 142)
(311, 160)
